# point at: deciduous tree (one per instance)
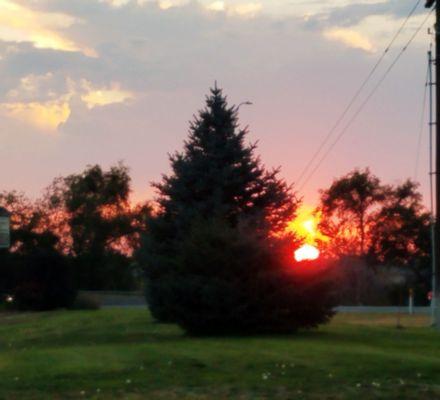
(383, 224)
(349, 209)
(99, 227)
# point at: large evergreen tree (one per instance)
(216, 259)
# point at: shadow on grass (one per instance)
(49, 330)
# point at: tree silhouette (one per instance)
(215, 257)
(401, 234)
(383, 224)
(348, 210)
(92, 214)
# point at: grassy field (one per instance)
(122, 354)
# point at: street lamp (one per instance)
(244, 103)
(5, 229)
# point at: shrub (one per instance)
(85, 301)
(44, 281)
(358, 283)
(111, 271)
(9, 269)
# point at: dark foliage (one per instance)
(215, 262)
(227, 281)
(35, 274)
(108, 271)
(85, 301)
(86, 225)
(348, 210)
(380, 227)
(401, 234)
(99, 227)
(8, 272)
(382, 224)
(39, 280)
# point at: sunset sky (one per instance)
(98, 81)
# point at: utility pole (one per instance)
(431, 185)
(436, 289)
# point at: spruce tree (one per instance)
(216, 257)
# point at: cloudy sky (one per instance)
(98, 81)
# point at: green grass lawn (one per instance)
(123, 354)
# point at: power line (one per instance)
(366, 101)
(357, 94)
(422, 125)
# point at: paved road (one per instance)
(382, 310)
(134, 300)
(117, 299)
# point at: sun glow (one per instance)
(305, 226)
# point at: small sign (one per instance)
(5, 235)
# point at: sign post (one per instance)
(5, 229)
(411, 302)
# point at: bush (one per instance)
(86, 301)
(228, 282)
(111, 271)
(357, 283)
(9, 270)
(43, 281)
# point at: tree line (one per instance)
(378, 234)
(81, 233)
(213, 250)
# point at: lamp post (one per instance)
(5, 229)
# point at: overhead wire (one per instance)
(357, 93)
(422, 126)
(367, 100)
